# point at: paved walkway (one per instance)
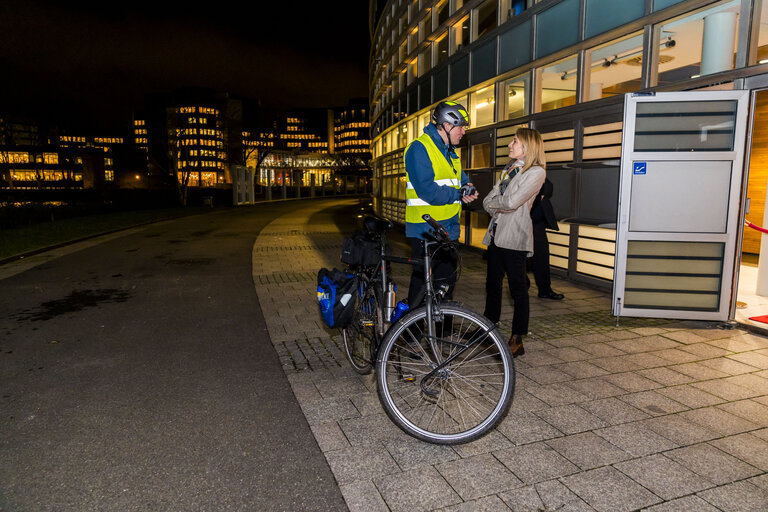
(652, 414)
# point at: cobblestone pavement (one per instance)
(653, 414)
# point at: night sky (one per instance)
(91, 65)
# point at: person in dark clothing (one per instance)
(543, 217)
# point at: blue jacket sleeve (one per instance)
(422, 178)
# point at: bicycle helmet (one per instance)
(450, 112)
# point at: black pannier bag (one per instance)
(360, 250)
(336, 297)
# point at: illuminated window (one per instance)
(482, 106)
(516, 92)
(615, 68)
(558, 84)
(459, 35)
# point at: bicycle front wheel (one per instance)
(449, 389)
(360, 335)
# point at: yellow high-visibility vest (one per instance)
(444, 175)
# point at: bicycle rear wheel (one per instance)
(360, 335)
(453, 390)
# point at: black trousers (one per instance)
(444, 265)
(513, 264)
(540, 258)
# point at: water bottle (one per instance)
(389, 301)
(400, 309)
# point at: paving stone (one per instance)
(493, 440)
(367, 403)
(616, 364)
(664, 477)
(715, 465)
(410, 453)
(487, 504)
(362, 496)
(754, 359)
(478, 476)
(632, 382)
(678, 430)
(416, 490)
(690, 396)
(588, 450)
(718, 420)
(724, 389)
(728, 365)
(328, 410)
(676, 355)
(739, 496)
(525, 427)
(653, 403)
(752, 382)
(329, 436)
(360, 463)
(545, 496)
(606, 489)
(698, 371)
(614, 411)
(760, 481)
(684, 337)
(601, 350)
(580, 369)
(705, 351)
(635, 439)
(750, 410)
(745, 447)
(557, 394)
(686, 504)
(371, 430)
(545, 375)
(596, 388)
(524, 401)
(536, 462)
(665, 376)
(570, 419)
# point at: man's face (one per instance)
(455, 133)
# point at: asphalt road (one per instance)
(137, 374)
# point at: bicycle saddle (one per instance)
(377, 225)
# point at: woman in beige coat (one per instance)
(510, 233)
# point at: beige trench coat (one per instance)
(514, 230)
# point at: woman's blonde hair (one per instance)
(534, 148)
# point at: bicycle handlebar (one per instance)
(439, 229)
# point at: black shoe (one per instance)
(551, 295)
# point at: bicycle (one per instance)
(444, 373)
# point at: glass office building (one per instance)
(564, 67)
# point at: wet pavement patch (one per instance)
(76, 301)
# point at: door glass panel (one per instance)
(685, 126)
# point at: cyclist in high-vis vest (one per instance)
(434, 186)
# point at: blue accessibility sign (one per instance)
(639, 167)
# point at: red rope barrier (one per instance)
(754, 226)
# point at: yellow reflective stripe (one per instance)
(420, 202)
(450, 182)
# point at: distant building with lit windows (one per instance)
(351, 129)
(30, 159)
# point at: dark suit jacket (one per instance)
(542, 211)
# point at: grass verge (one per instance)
(23, 240)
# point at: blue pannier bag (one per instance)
(336, 297)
